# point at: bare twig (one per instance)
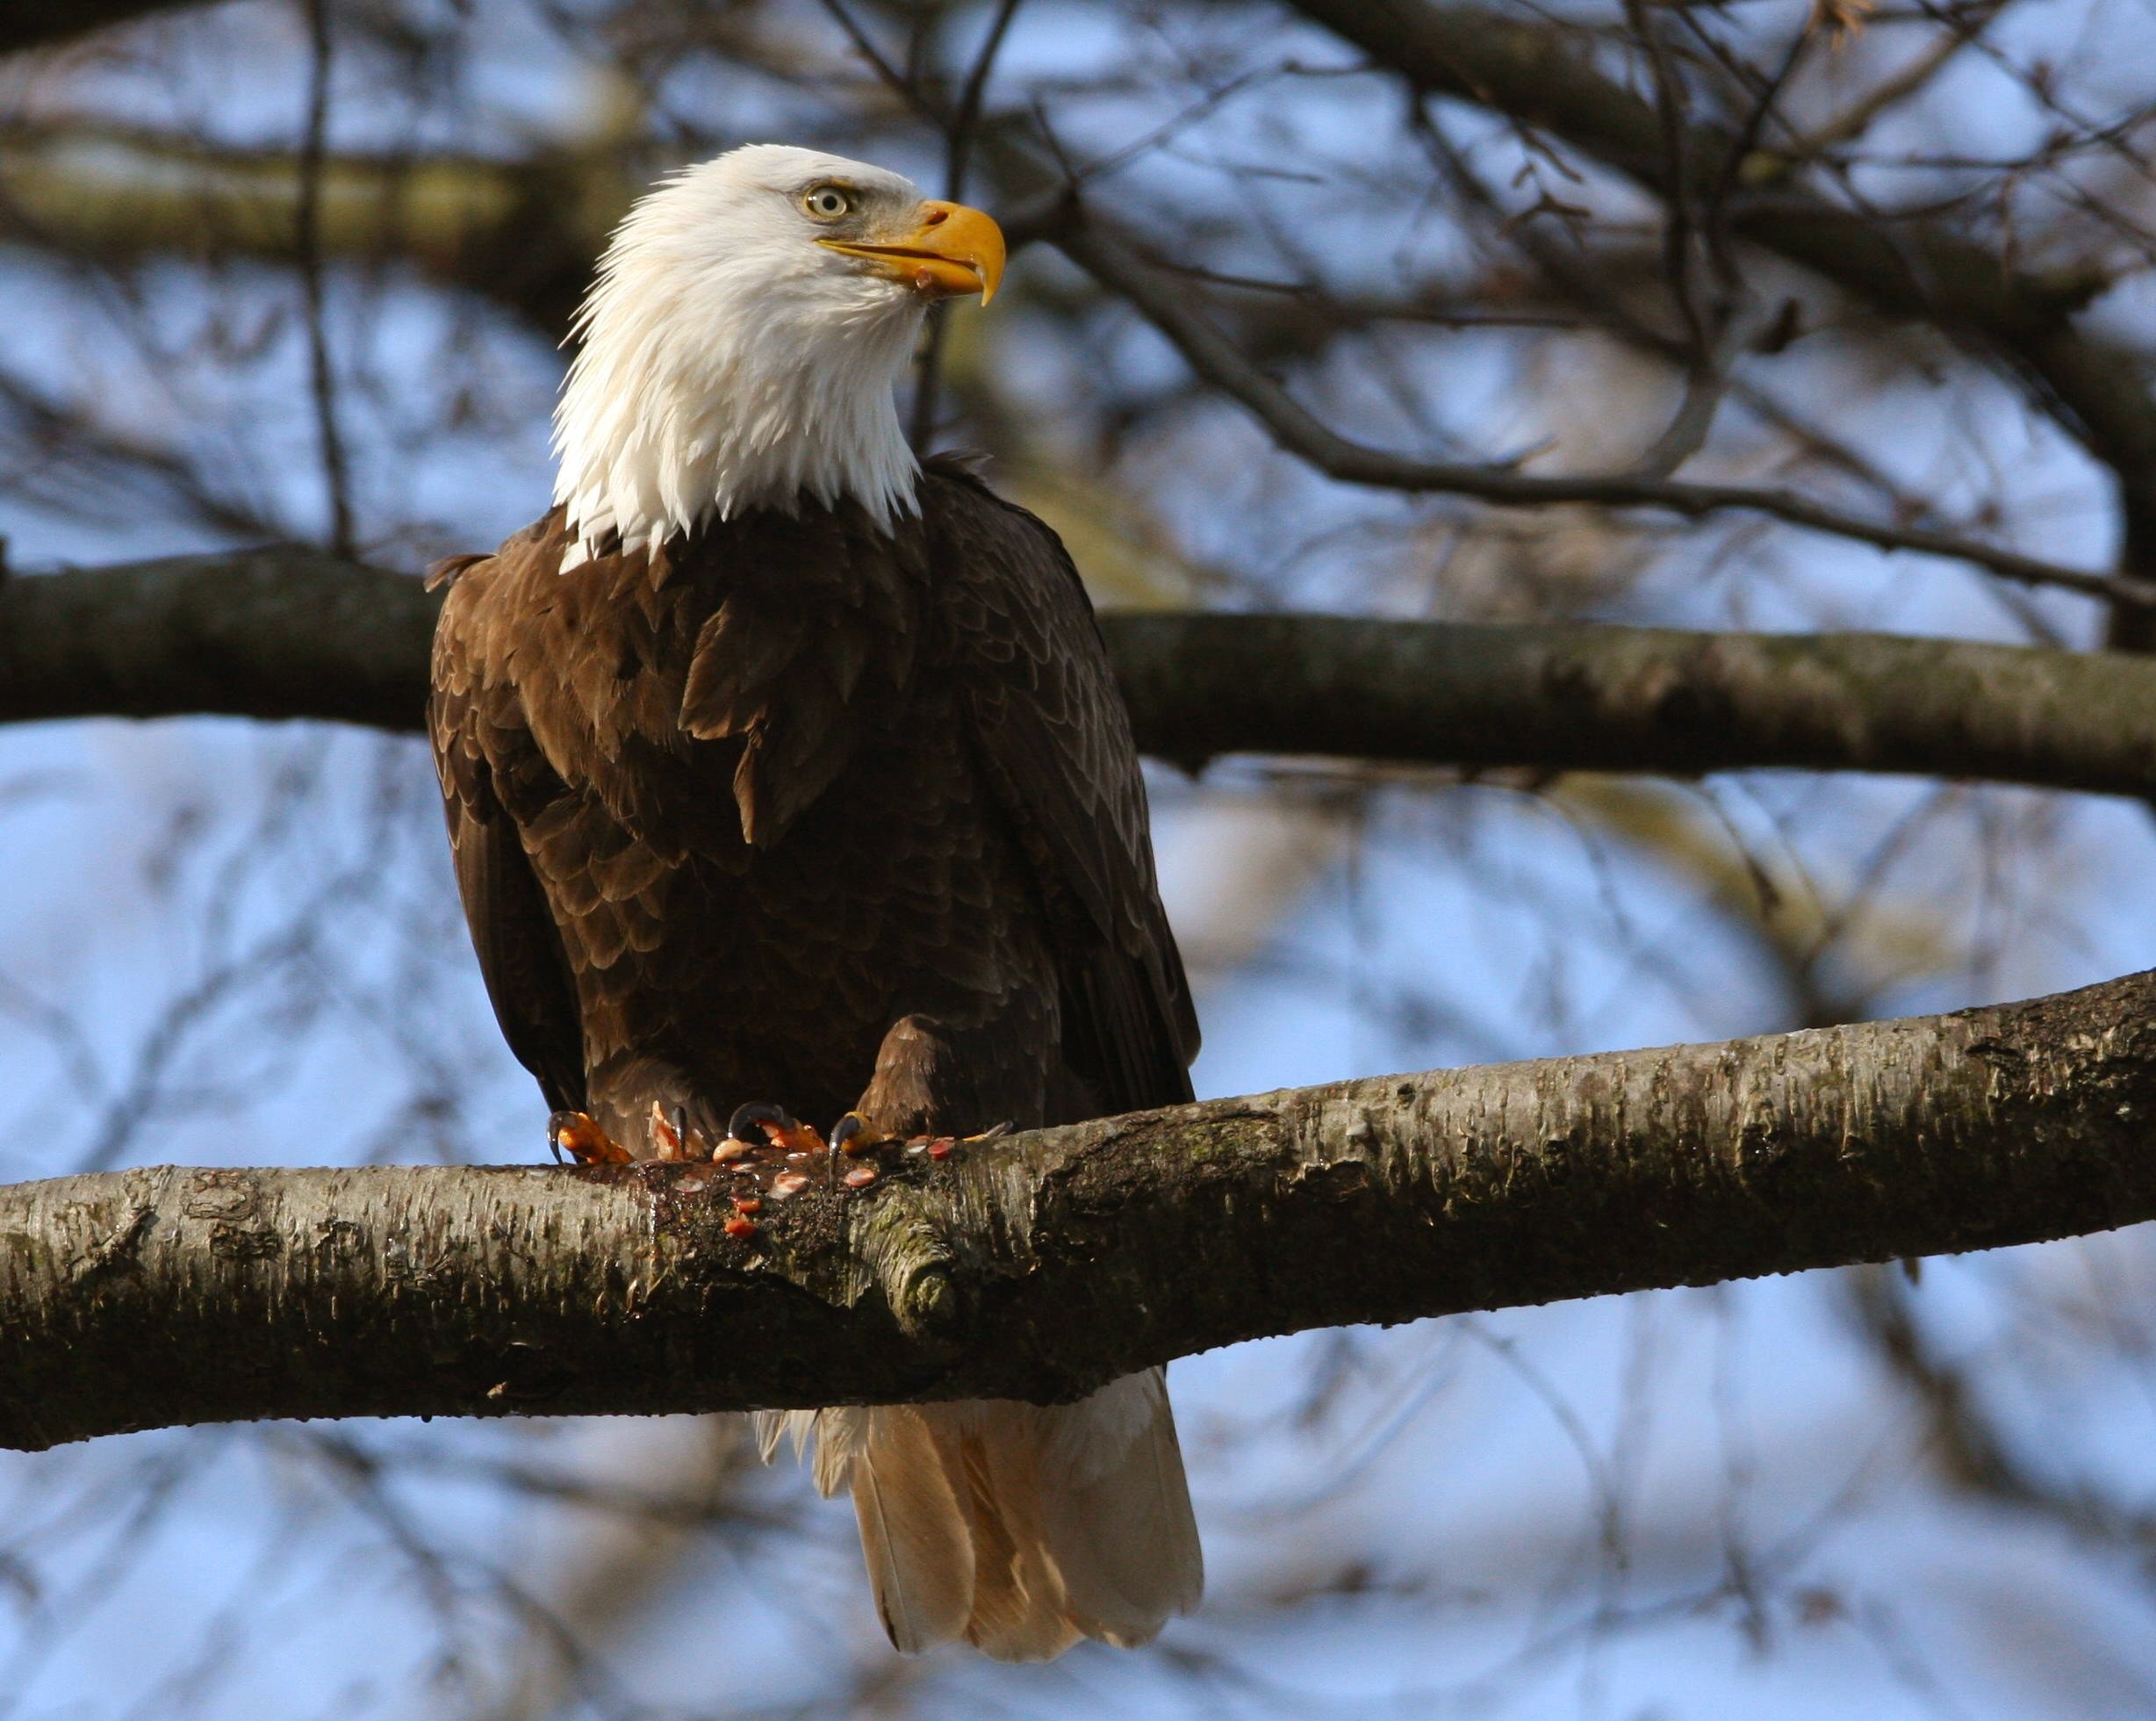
(1890, 92)
(958, 155)
(307, 218)
(1537, 72)
(1215, 358)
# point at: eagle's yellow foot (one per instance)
(757, 1124)
(578, 1134)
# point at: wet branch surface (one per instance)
(297, 633)
(1043, 1265)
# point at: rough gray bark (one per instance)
(292, 632)
(1043, 1265)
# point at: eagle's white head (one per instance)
(740, 347)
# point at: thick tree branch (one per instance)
(1589, 696)
(1043, 1265)
(285, 631)
(290, 632)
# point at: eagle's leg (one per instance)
(578, 1135)
(936, 1076)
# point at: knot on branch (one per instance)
(898, 1238)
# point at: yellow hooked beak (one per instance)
(953, 250)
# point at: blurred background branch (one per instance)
(290, 632)
(27, 23)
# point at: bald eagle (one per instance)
(780, 767)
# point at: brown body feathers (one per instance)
(798, 810)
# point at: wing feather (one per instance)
(1055, 743)
(473, 725)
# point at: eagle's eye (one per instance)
(827, 202)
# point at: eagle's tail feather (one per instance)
(1119, 1518)
(1019, 1528)
(913, 1534)
(1016, 1612)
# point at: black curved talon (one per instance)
(780, 1128)
(848, 1130)
(743, 1125)
(854, 1137)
